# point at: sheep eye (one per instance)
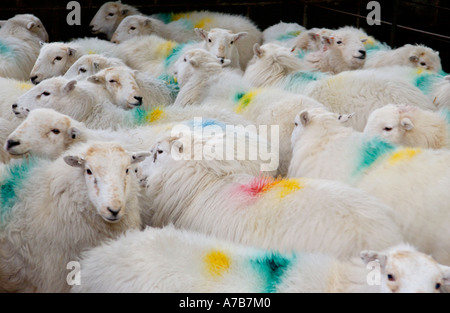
(160, 151)
(390, 277)
(111, 14)
(209, 40)
(58, 58)
(339, 118)
(185, 60)
(339, 42)
(126, 172)
(438, 286)
(423, 63)
(45, 93)
(232, 42)
(112, 81)
(82, 70)
(89, 172)
(132, 28)
(135, 170)
(388, 129)
(296, 124)
(55, 131)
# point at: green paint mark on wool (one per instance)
(4, 48)
(165, 17)
(175, 54)
(426, 81)
(138, 117)
(271, 268)
(371, 151)
(12, 181)
(171, 83)
(289, 35)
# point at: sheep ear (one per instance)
(368, 256)
(96, 65)
(203, 34)
(74, 161)
(30, 25)
(327, 41)
(414, 58)
(447, 78)
(70, 86)
(313, 36)
(257, 50)
(71, 51)
(147, 22)
(406, 123)
(446, 272)
(193, 62)
(41, 43)
(305, 118)
(95, 79)
(74, 133)
(139, 157)
(238, 36)
(124, 11)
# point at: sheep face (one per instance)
(90, 64)
(220, 42)
(121, 84)
(132, 26)
(152, 168)
(44, 133)
(424, 58)
(107, 171)
(404, 270)
(55, 93)
(109, 16)
(197, 60)
(387, 123)
(27, 24)
(54, 60)
(347, 47)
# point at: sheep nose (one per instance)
(11, 143)
(33, 80)
(139, 99)
(14, 106)
(113, 212)
(363, 52)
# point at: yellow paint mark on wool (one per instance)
(179, 16)
(403, 155)
(217, 263)
(163, 50)
(288, 186)
(25, 86)
(246, 99)
(203, 22)
(155, 114)
(421, 70)
(91, 52)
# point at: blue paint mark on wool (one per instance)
(12, 181)
(371, 151)
(271, 268)
(204, 123)
(302, 79)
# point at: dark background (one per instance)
(404, 21)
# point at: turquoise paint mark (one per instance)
(446, 114)
(4, 48)
(271, 268)
(12, 181)
(203, 123)
(371, 151)
(175, 54)
(138, 116)
(238, 96)
(171, 83)
(301, 53)
(165, 17)
(377, 46)
(426, 81)
(303, 78)
(289, 35)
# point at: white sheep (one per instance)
(56, 58)
(417, 56)
(109, 16)
(217, 196)
(19, 45)
(413, 181)
(181, 28)
(410, 126)
(342, 51)
(91, 64)
(200, 76)
(358, 91)
(441, 93)
(131, 88)
(54, 210)
(223, 44)
(171, 260)
(10, 90)
(6, 128)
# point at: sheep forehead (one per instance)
(48, 118)
(412, 266)
(103, 158)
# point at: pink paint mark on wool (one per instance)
(256, 186)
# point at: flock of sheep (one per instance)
(95, 171)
